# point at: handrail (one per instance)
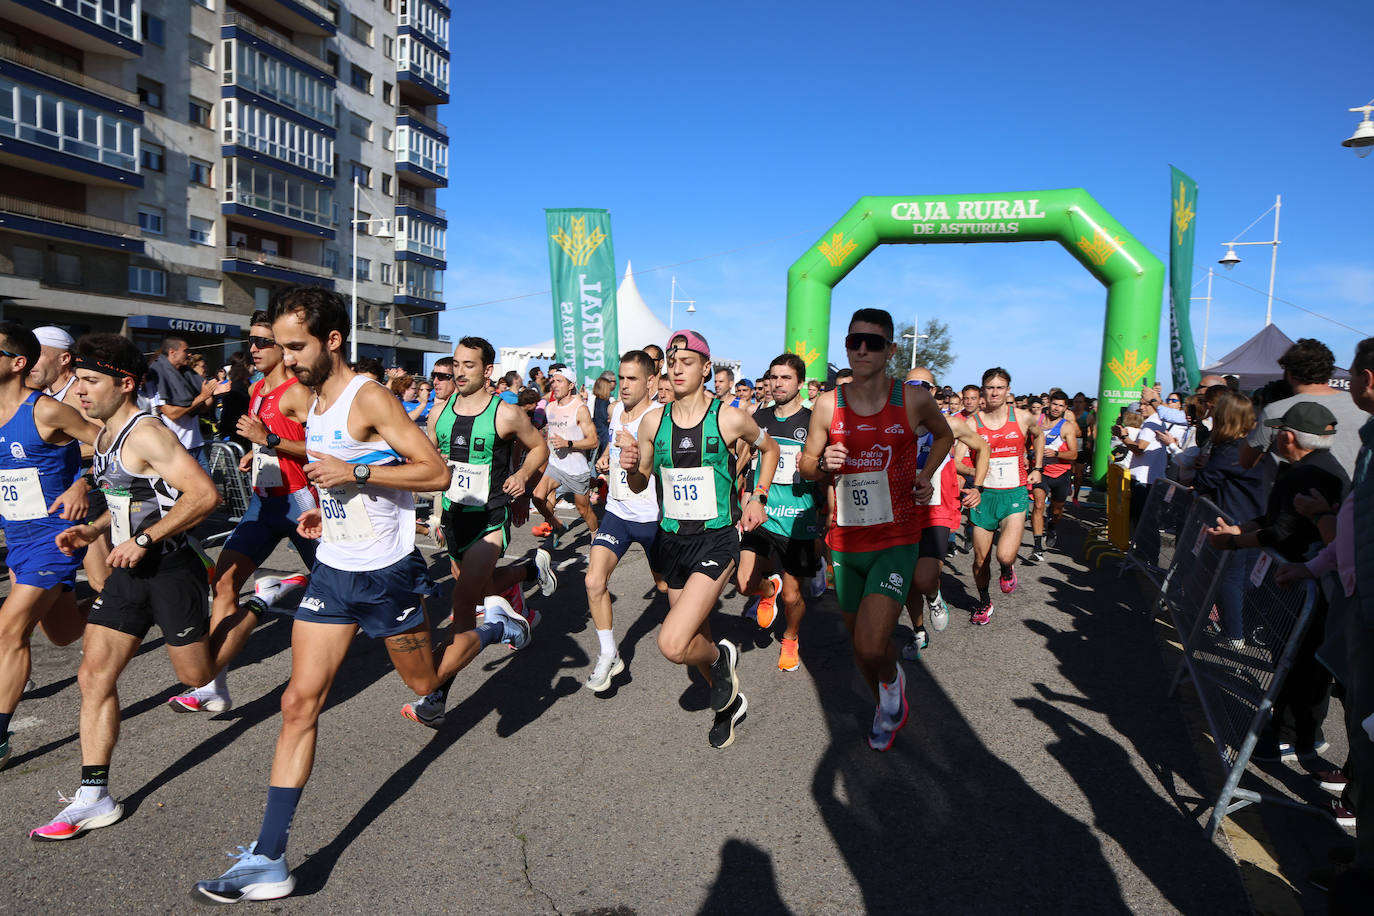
(238, 20)
(408, 199)
(408, 111)
(67, 74)
(63, 216)
(267, 259)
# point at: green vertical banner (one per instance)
(1183, 208)
(582, 267)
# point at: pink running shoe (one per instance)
(80, 815)
(1007, 583)
(983, 616)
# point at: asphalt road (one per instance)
(1043, 770)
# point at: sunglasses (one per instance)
(9, 354)
(441, 376)
(919, 383)
(873, 342)
(1172, 401)
(261, 343)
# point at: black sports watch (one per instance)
(361, 472)
(143, 540)
(273, 440)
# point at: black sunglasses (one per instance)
(9, 354)
(261, 343)
(443, 376)
(873, 342)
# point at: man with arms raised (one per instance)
(1061, 451)
(690, 447)
(631, 518)
(1002, 511)
(570, 433)
(865, 434)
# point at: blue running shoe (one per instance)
(517, 628)
(252, 877)
(5, 751)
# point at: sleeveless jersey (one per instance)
(365, 527)
(944, 508)
(623, 502)
(791, 500)
(696, 474)
(563, 422)
(61, 393)
(479, 459)
(274, 474)
(1054, 441)
(33, 473)
(874, 508)
(1007, 444)
(136, 503)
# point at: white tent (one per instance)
(636, 326)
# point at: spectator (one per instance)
(537, 379)
(233, 398)
(179, 396)
(510, 387)
(371, 367)
(528, 401)
(401, 386)
(601, 412)
(1148, 461)
(1307, 367)
(425, 392)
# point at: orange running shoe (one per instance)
(768, 607)
(542, 530)
(789, 658)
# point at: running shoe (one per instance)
(1343, 815)
(768, 607)
(1037, 556)
(607, 667)
(516, 627)
(202, 699)
(817, 584)
(911, 651)
(885, 725)
(81, 814)
(429, 711)
(543, 564)
(1051, 537)
(557, 534)
(789, 657)
(252, 877)
(939, 612)
(542, 530)
(1332, 780)
(751, 608)
(724, 680)
(1008, 583)
(983, 615)
(5, 751)
(722, 733)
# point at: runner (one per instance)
(786, 541)
(665, 390)
(656, 354)
(1002, 510)
(441, 375)
(631, 518)
(937, 518)
(864, 433)
(477, 433)
(39, 459)
(567, 459)
(275, 426)
(155, 491)
(690, 445)
(1061, 451)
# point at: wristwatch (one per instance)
(761, 497)
(273, 440)
(143, 540)
(361, 472)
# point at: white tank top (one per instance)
(621, 500)
(563, 422)
(365, 527)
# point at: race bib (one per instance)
(471, 484)
(862, 499)
(1003, 474)
(345, 515)
(689, 494)
(118, 502)
(266, 467)
(21, 495)
(786, 474)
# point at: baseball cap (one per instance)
(689, 340)
(1306, 417)
(565, 372)
(50, 336)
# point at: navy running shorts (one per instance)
(383, 601)
(616, 535)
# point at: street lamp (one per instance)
(1231, 259)
(673, 300)
(1362, 140)
(914, 336)
(383, 233)
(1207, 319)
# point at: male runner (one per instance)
(275, 425)
(52, 372)
(725, 383)
(1061, 451)
(656, 354)
(570, 434)
(155, 491)
(369, 457)
(441, 376)
(787, 538)
(477, 433)
(865, 433)
(1002, 510)
(937, 518)
(630, 518)
(39, 460)
(690, 446)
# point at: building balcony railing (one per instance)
(105, 16)
(66, 74)
(417, 247)
(268, 259)
(408, 199)
(326, 10)
(252, 28)
(62, 216)
(413, 113)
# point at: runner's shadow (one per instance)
(745, 883)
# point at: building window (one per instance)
(208, 4)
(360, 79)
(28, 262)
(389, 47)
(202, 173)
(361, 31)
(199, 113)
(152, 157)
(147, 281)
(388, 5)
(388, 91)
(154, 30)
(360, 128)
(360, 173)
(262, 297)
(201, 231)
(364, 268)
(386, 184)
(331, 261)
(332, 58)
(386, 273)
(386, 138)
(202, 53)
(151, 219)
(384, 317)
(68, 269)
(422, 325)
(150, 93)
(199, 289)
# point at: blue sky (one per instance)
(751, 127)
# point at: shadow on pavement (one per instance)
(746, 883)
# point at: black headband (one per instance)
(93, 365)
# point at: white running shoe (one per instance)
(202, 699)
(939, 612)
(543, 564)
(81, 814)
(607, 667)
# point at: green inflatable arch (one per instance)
(1133, 276)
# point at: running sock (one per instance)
(97, 777)
(607, 640)
(888, 697)
(983, 595)
(276, 821)
(531, 572)
(5, 724)
(1039, 544)
(489, 633)
(1006, 570)
(445, 687)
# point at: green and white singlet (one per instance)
(478, 457)
(791, 499)
(696, 474)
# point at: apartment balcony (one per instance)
(33, 218)
(100, 26)
(46, 131)
(310, 17)
(408, 201)
(421, 72)
(427, 18)
(41, 73)
(239, 27)
(408, 115)
(239, 259)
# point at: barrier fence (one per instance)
(233, 485)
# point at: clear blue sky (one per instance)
(750, 128)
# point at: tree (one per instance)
(934, 352)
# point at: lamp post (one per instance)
(1231, 259)
(1207, 319)
(1362, 140)
(673, 300)
(383, 233)
(915, 336)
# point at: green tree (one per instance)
(934, 350)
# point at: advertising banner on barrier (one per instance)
(582, 268)
(1182, 356)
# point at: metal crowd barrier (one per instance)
(233, 485)
(1154, 539)
(1190, 588)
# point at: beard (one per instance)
(316, 374)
